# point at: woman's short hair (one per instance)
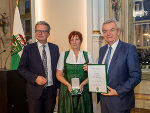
(75, 33)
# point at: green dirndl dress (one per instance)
(69, 103)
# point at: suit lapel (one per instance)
(102, 54)
(37, 54)
(116, 54)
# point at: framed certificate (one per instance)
(97, 77)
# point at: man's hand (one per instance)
(40, 80)
(111, 92)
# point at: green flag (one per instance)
(18, 41)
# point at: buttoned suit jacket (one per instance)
(31, 66)
(123, 75)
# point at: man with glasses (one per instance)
(123, 70)
(38, 66)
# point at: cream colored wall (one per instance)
(65, 16)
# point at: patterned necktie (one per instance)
(44, 59)
(108, 57)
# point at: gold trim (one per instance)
(96, 32)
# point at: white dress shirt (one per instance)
(40, 47)
(71, 59)
(112, 52)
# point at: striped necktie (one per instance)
(108, 57)
(44, 59)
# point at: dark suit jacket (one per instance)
(31, 66)
(123, 75)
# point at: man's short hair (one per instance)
(111, 21)
(43, 23)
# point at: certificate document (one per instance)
(97, 78)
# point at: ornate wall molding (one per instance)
(116, 7)
(122, 12)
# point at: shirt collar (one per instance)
(80, 51)
(114, 45)
(40, 45)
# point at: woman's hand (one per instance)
(69, 88)
(59, 75)
(57, 92)
(81, 88)
(85, 67)
(82, 84)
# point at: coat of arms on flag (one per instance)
(17, 43)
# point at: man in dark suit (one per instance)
(38, 66)
(123, 70)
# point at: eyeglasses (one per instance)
(41, 31)
(110, 31)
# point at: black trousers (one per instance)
(45, 104)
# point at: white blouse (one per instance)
(71, 59)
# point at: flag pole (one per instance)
(17, 2)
